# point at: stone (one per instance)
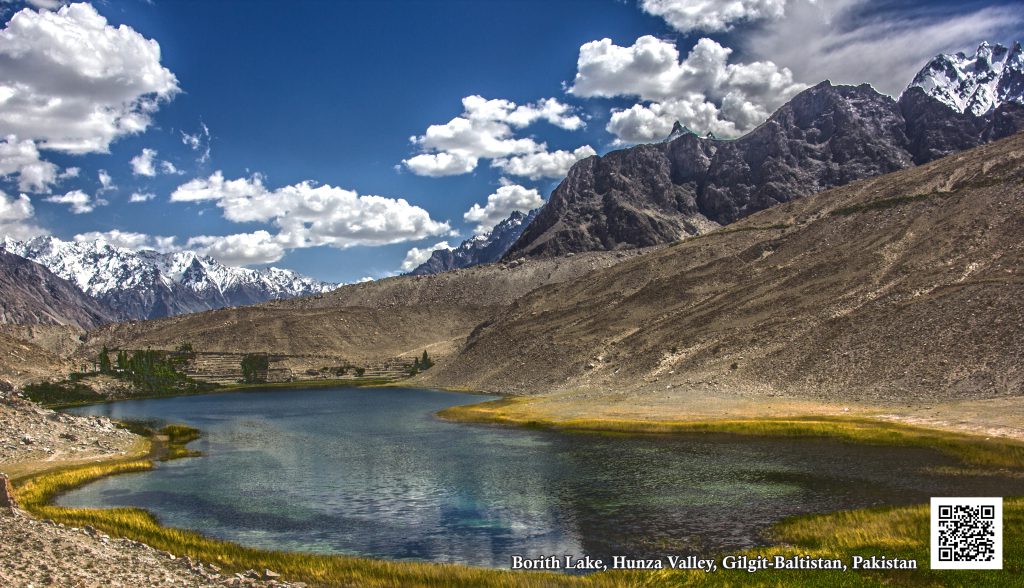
(6, 493)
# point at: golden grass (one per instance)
(177, 437)
(972, 450)
(35, 494)
(892, 531)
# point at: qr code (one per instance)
(967, 533)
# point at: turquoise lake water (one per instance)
(373, 472)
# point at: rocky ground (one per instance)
(30, 434)
(37, 553)
(42, 553)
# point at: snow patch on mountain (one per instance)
(975, 84)
(488, 247)
(149, 284)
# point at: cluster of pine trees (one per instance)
(421, 364)
(149, 370)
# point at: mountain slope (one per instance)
(32, 295)
(147, 284)
(901, 288)
(479, 249)
(23, 362)
(826, 136)
(363, 322)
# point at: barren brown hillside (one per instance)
(363, 322)
(906, 287)
(22, 362)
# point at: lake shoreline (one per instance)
(971, 449)
(787, 534)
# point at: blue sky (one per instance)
(299, 134)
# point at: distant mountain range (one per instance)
(147, 284)
(826, 136)
(479, 249)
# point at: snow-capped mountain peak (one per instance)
(488, 247)
(149, 284)
(977, 83)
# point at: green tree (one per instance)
(254, 367)
(105, 361)
(122, 361)
(425, 361)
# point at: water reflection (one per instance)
(372, 472)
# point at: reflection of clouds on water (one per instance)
(372, 472)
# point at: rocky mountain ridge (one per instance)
(976, 84)
(148, 284)
(901, 288)
(826, 136)
(479, 249)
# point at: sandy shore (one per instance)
(997, 417)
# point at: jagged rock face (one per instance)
(630, 198)
(478, 249)
(935, 130)
(149, 284)
(827, 136)
(975, 84)
(33, 295)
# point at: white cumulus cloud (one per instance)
(78, 201)
(309, 215)
(142, 164)
(141, 197)
(416, 256)
(503, 202)
(712, 15)
(543, 164)
(703, 91)
(130, 240)
(72, 82)
(15, 217)
(22, 158)
(485, 130)
(146, 164)
(106, 182)
(240, 249)
(441, 164)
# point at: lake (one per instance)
(372, 472)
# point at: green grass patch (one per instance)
(177, 437)
(61, 394)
